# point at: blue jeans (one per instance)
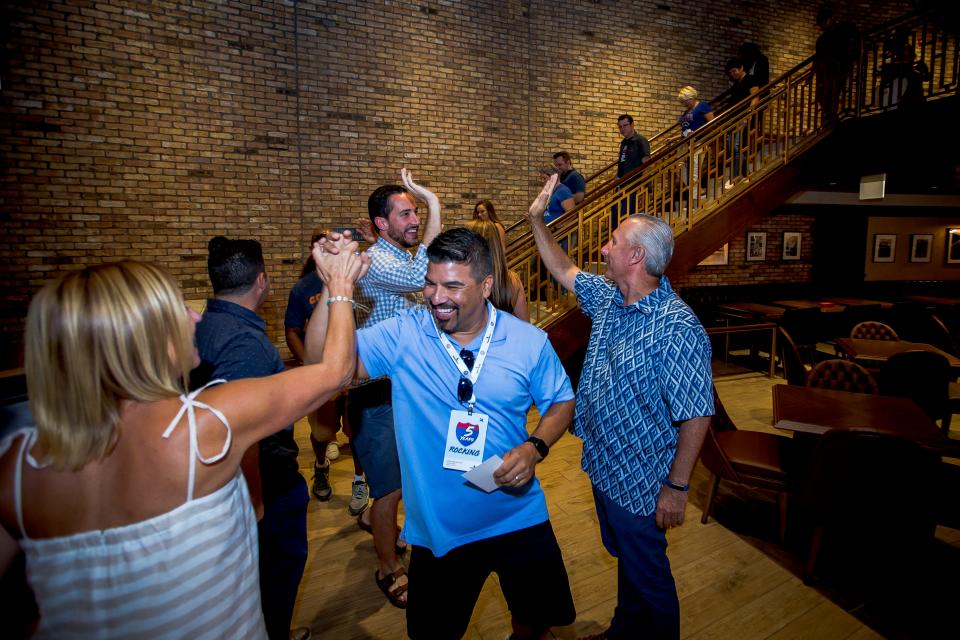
(283, 554)
(647, 604)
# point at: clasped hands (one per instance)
(339, 260)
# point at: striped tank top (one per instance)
(189, 573)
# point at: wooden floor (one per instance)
(728, 586)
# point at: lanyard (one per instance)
(471, 374)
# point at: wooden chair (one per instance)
(939, 336)
(873, 330)
(749, 458)
(804, 327)
(854, 477)
(793, 368)
(842, 375)
(922, 376)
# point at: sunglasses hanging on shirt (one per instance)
(464, 386)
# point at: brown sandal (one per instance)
(386, 582)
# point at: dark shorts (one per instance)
(444, 590)
(373, 440)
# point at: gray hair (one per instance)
(548, 171)
(656, 238)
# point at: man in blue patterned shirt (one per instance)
(393, 283)
(643, 408)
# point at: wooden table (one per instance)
(809, 410)
(942, 301)
(860, 302)
(873, 353)
(824, 306)
(750, 311)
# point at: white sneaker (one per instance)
(333, 451)
(360, 498)
(728, 185)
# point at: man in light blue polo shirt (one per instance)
(463, 379)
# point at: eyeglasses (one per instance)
(464, 386)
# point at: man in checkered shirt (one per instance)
(393, 283)
(643, 408)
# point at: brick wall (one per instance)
(134, 129)
(772, 269)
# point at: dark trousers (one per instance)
(283, 554)
(647, 605)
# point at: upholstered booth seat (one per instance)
(872, 330)
(842, 375)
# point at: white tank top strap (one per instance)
(189, 406)
(28, 438)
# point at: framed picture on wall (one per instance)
(756, 246)
(884, 247)
(953, 245)
(718, 258)
(920, 247)
(791, 245)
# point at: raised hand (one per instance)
(540, 203)
(365, 227)
(421, 193)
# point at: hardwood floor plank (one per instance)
(766, 614)
(826, 620)
(734, 589)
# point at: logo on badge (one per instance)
(467, 433)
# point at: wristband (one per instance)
(341, 299)
(676, 487)
(540, 446)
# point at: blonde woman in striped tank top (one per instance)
(124, 533)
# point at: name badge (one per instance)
(466, 438)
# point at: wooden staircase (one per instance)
(718, 182)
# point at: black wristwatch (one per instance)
(540, 446)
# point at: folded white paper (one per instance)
(482, 475)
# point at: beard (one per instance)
(400, 236)
(448, 323)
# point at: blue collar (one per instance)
(648, 303)
(429, 328)
(215, 305)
